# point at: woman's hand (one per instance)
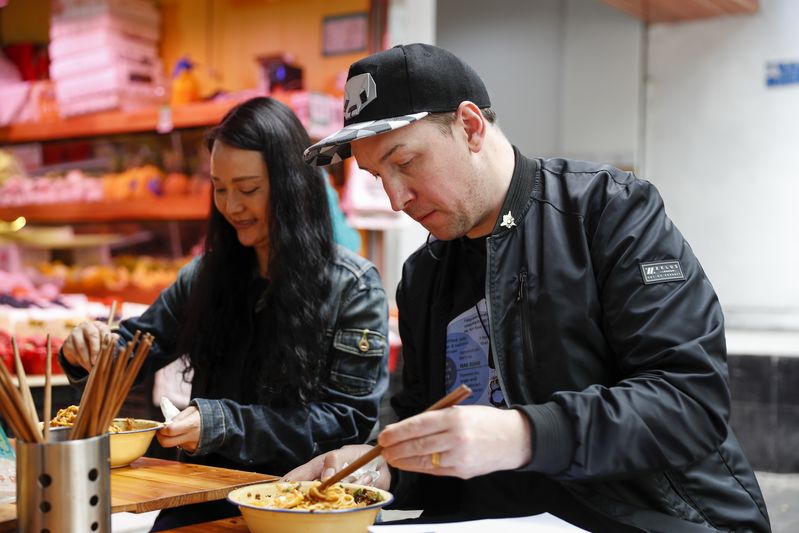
(461, 441)
(325, 465)
(182, 431)
(82, 347)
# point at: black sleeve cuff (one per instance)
(552, 437)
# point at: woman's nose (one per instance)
(232, 204)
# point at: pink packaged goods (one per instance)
(137, 18)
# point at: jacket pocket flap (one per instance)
(362, 342)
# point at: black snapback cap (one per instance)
(391, 89)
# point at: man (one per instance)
(563, 295)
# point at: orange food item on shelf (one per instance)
(176, 184)
(138, 182)
(129, 275)
(199, 185)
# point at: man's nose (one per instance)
(398, 193)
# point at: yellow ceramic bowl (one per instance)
(263, 520)
(131, 443)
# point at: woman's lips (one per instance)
(242, 224)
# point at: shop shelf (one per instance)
(195, 114)
(191, 207)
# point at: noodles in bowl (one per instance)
(130, 437)
(67, 416)
(282, 507)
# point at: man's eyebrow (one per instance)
(393, 149)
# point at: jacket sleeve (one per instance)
(161, 320)
(671, 404)
(351, 392)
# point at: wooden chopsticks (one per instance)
(112, 313)
(453, 398)
(24, 389)
(109, 382)
(107, 386)
(17, 411)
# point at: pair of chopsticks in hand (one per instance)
(453, 398)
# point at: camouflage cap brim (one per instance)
(336, 147)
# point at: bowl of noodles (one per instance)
(286, 507)
(130, 437)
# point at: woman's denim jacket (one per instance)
(272, 439)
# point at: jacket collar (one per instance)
(517, 200)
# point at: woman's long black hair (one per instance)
(300, 250)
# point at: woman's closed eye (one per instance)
(249, 191)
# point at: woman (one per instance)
(285, 333)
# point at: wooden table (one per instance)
(152, 484)
(226, 525)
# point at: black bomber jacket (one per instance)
(607, 334)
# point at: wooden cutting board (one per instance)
(152, 484)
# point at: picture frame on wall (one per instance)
(345, 34)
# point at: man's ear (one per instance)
(469, 116)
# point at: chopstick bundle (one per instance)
(110, 380)
(17, 411)
(96, 375)
(123, 376)
(453, 398)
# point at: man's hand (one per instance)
(82, 347)
(460, 441)
(182, 431)
(325, 465)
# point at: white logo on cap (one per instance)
(359, 92)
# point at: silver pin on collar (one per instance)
(508, 221)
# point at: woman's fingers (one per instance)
(183, 431)
(82, 346)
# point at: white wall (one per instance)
(601, 88)
(721, 147)
(563, 75)
(515, 46)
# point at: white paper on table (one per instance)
(542, 523)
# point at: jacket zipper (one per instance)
(492, 344)
(521, 300)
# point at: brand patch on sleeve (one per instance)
(662, 271)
